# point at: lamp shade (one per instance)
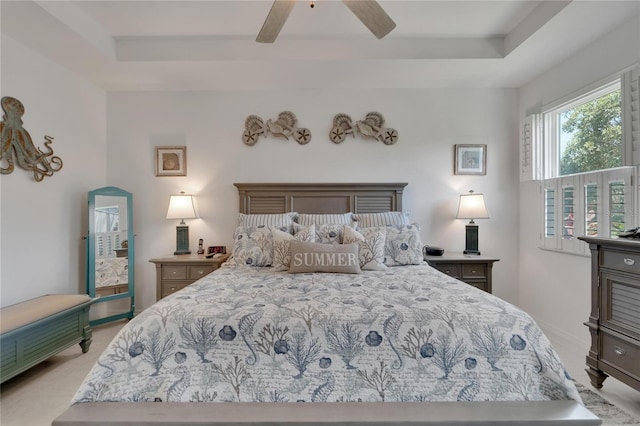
(472, 207)
(181, 207)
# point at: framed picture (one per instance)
(470, 160)
(171, 161)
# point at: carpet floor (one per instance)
(610, 414)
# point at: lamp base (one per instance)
(471, 239)
(182, 240)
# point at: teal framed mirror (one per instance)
(110, 255)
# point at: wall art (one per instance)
(285, 126)
(470, 160)
(171, 161)
(18, 148)
(371, 127)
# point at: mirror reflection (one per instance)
(112, 261)
(110, 255)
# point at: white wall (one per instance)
(210, 124)
(555, 287)
(42, 225)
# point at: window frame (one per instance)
(541, 137)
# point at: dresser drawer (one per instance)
(625, 261)
(171, 287)
(453, 270)
(174, 272)
(482, 285)
(620, 354)
(198, 271)
(474, 270)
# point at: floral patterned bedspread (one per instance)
(409, 333)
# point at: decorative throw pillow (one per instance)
(368, 220)
(324, 219)
(403, 246)
(318, 257)
(277, 220)
(371, 246)
(253, 245)
(282, 243)
(328, 233)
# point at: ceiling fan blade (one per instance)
(276, 18)
(372, 16)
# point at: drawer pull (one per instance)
(448, 272)
(628, 261)
(172, 289)
(200, 271)
(174, 272)
(473, 272)
(619, 351)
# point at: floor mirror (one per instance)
(110, 255)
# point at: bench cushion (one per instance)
(21, 314)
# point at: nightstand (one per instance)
(176, 272)
(474, 270)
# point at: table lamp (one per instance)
(182, 207)
(471, 206)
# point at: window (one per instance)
(585, 134)
(583, 147)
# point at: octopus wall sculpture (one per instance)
(18, 148)
(372, 127)
(284, 126)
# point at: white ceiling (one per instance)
(210, 44)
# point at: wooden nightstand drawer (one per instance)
(482, 285)
(174, 272)
(171, 287)
(621, 260)
(453, 270)
(199, 271)
(177, 272)
(621, 354)
(474, 270)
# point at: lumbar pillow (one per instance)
(318, 257)
(282, 245)
(371, 246)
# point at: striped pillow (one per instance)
(324, 219)
(277, 220)
(369, 220)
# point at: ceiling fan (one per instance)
(369, 12)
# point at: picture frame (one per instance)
(470, 159)
(171, 161)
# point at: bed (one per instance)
(393, 345)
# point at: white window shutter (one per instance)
(530, 141)
(631, 115)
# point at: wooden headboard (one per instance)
(258, 198)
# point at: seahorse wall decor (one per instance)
(17, 146)
(284, 126)
(371, 127)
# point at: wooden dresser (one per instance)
(176, 272)
(473, 269)
(614, 322)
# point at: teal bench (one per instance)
(32, 331)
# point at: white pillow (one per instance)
(371, 242)
(368, 220)
(282, 245)
(324, 219)
(278, 220)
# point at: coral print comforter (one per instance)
(409, 333)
